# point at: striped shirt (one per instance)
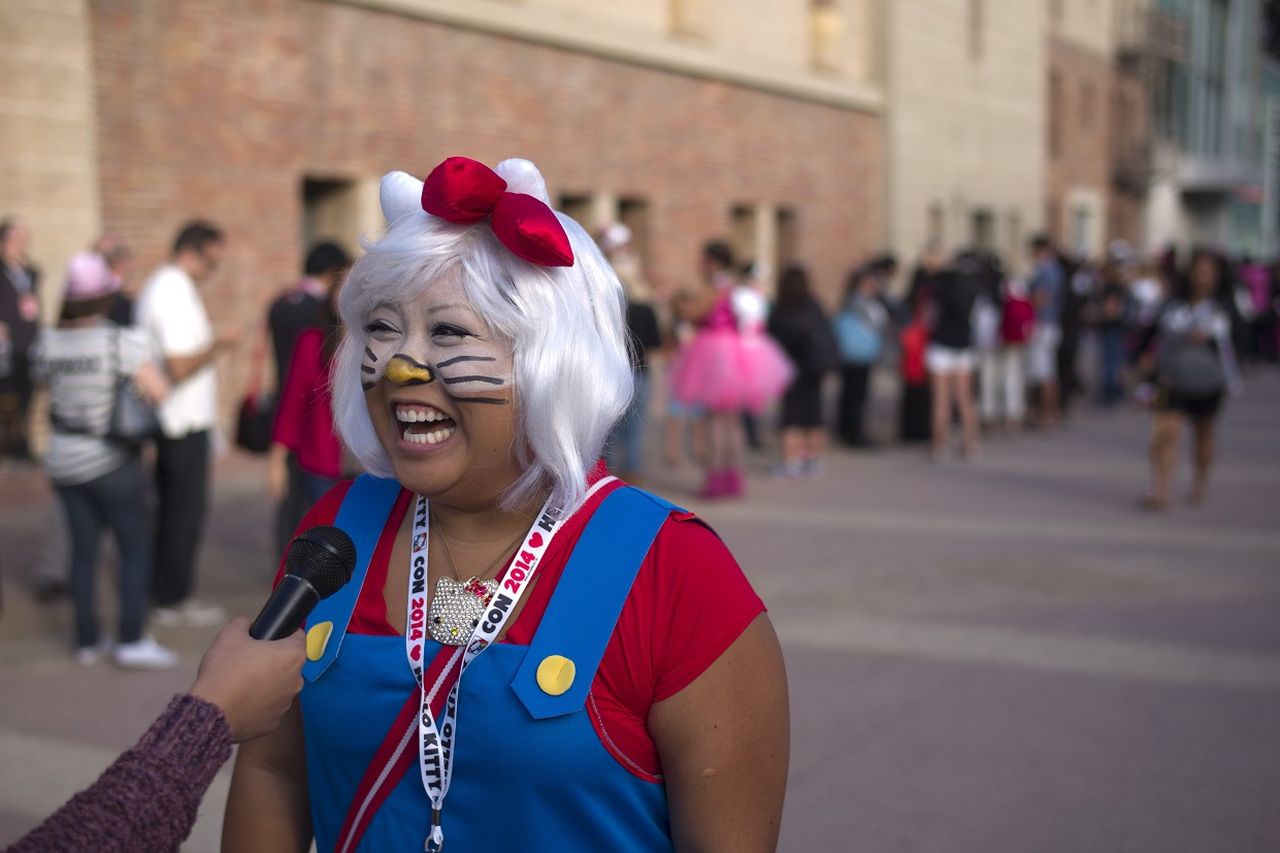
(80, 368)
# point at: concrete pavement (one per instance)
(999, 656)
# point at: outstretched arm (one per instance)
(147, 800)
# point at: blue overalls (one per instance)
(553, 786)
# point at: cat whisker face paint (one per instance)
(438, 385)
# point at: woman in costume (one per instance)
(531, 655)
(730, 367)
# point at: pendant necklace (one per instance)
(457, 605)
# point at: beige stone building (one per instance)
(964, 125)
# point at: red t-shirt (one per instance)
(690, 601)
(304, 412)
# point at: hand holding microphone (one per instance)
(253, 681)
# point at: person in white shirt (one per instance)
(171, 311)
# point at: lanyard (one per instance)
(435, 742)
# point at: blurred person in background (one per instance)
(860, 326)
(949, 357)
(751, 311)
(98, 478)
(1189, 353)
(915, 413)
(172, 313)
(19, 323)
(120, 261)
(1110, 312)
(305, 458)
(1004, 383)
(149, 798)
(986, 339)
(802, 329)
(307, 307)
(1268, 328)
(682, 423)
(884, 270)
(49, 580)
(1082, 281)
(1255, 280)
(1048, 288)
(725, 371)
(624, 451)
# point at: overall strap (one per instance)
(561, 663)
(362, 516)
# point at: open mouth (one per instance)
(423, 425)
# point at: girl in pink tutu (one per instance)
(731, 366)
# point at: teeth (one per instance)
(415, 416)
(434, 437)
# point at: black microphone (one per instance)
(319, 561)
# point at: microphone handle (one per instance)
(285, 610)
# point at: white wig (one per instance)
(572, 377)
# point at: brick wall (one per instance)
(219, 109)
(1079, 160)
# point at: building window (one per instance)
(1055, 114)
(634, 213)
(982, 230)
(826, 28)
(937, 228)
(1081, 222)
(579, 206)
(1013, 256)
(1088, 107)
(330, 211)
(742, 232)
(689, 18)
(977, 15)
(788, 238)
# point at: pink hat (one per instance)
(89, 277)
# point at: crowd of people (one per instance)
(975, 349)
(405, 365)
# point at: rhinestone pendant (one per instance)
(456, 608)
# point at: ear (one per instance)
(400, 194)
(523, 177)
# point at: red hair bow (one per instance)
(466, 191)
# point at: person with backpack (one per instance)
(802, 329)
(859, 331)
(87, 363)
(1189, 353)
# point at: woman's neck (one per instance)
(474, 526)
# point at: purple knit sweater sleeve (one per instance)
(146, 802)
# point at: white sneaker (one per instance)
(189, 614)
(89, 655)
(145, 654)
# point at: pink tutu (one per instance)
(725, 371)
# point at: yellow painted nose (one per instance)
(403, 370)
